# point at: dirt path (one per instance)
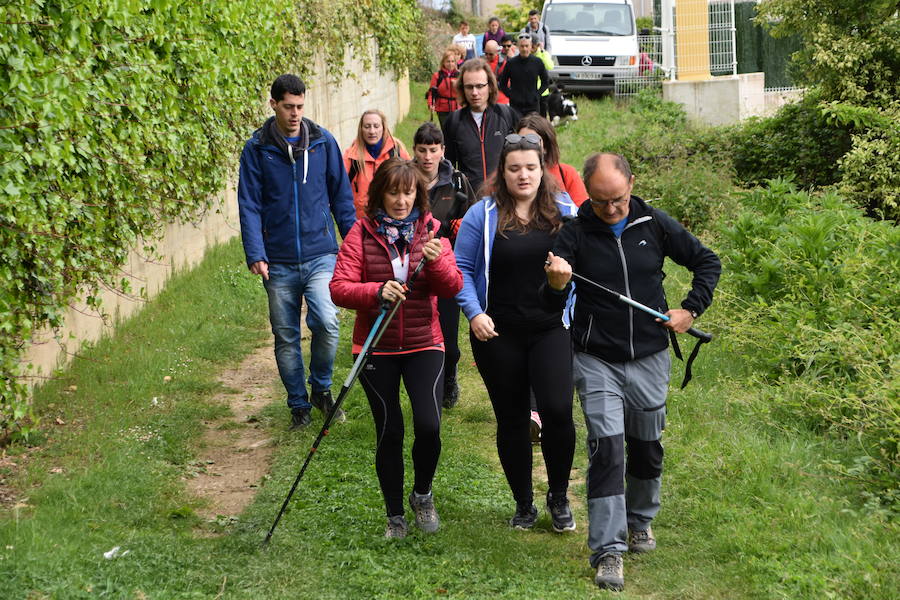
(235, 451)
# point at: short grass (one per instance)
(747, 510)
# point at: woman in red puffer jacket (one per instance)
(378, 255)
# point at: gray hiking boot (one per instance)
(324, 402)
(397, 527)
(610, 575)
(426, 516)
(641, 541)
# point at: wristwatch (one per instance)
(694, 313)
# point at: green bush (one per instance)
(119, 117)
(870, 171)
(811, 297)
(682, 167)
(798, 143)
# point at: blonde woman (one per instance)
(374, 145)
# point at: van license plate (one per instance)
(587, 75)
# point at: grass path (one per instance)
(747, 511)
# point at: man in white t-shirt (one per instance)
(466, 40)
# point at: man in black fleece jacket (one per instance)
(621, 363)
(519, 79)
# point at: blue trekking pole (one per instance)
(702, 336)
(378, 328)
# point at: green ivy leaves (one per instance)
(119, 116)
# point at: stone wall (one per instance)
(335, 104)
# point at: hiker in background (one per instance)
(474, 134)
(518, 345)
(524, 78)
(547, 59)
(373, 145)
(494, 32)
(450, 196)
(496, 62)
(441, 95)
(291, 183)
(466, 40)
(377, 256)
(537, 28)
(565, 175)
(621, 363)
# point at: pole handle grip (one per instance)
(700, 335)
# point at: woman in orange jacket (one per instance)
(373, 145)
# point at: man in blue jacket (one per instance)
(292, 180)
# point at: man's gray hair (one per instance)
(593, 161)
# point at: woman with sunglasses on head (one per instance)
(518, 345)
(373, 145)
(378, 255)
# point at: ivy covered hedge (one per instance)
(119, 116)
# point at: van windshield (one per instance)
(589, 18)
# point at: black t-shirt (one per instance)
(516, 274)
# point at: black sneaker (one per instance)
(300, 418)
(560, 513)
(324, 402)
(451, 392)
(526, 515)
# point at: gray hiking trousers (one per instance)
(624, 407)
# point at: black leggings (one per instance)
(423, 376)
(448, 313)
(510, 364)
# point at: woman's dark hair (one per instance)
(543, 128)
(544, 213)
(428, 133)
(396, 174)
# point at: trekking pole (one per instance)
(378, 328)
(702, 336)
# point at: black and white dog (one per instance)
(560, 108)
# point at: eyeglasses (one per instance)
(524, 36)
(507, 46)
(474, 86)
(617, 203)
(529, 138)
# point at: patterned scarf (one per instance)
(397, 230)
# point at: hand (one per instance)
(260, 267)
(432, 248)
(483, 327)
(680, 320)
(393, 290)
(558, 270)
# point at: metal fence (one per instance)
(699, 43)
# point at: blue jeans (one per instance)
(287, 285)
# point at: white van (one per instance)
(592, 42)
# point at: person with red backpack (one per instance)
(441, 94)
